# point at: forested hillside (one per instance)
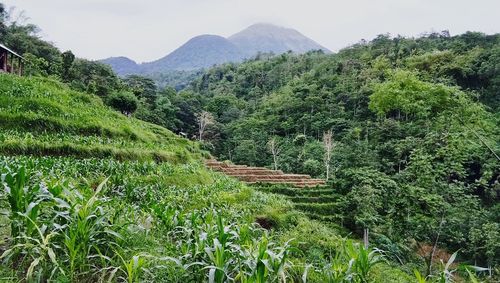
(91, 195)
(415, 128)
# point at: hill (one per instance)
(407, 127)
(44, 117)
(122, 65)
(413, 125)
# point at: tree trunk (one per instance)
(327, 171)
(434, 247)
(365, 238)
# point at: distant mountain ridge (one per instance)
(204, 51)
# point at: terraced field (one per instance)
(261, 175)
(308, 195)
(320, 203)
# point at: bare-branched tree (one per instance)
(204, 119)
(328, 145)
(275, 150)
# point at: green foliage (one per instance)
(406, 94)
(415, 128)
(50, 223)
(92, 77)
(368, 192)
(486, 242)
(122, 101)
(142, 87)
(35, 66)
(415, 160)
(352, 263)
(136, 221)
(68, 58)
(313, 167)
(177, 80)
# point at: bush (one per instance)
(123, 101)
(313, 167)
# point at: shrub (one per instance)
(312, 167)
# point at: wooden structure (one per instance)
(10, 61)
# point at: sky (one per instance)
(146, 30)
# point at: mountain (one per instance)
(271, 38)
(207, 50)
(199, 52)
(122, 65)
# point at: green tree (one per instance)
(142, 87)
(123, 101)
(35, 66)
(67, 61)
(93, 77)
(405, 94)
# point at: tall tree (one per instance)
(67, 61)
(204, 119)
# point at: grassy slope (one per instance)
(44, 119)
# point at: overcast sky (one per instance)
(145, 30)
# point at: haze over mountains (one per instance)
(207, 50)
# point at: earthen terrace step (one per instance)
(296, 184)
(239, 173)
(271, 177)
(254, 175)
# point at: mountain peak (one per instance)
(265, 27)
(122, 65)
(265, 37)
(205, 37)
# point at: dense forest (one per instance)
(405, 130)
(415, 127)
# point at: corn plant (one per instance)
(447, 275)
(132, 268)
(39, 251)
(22, 200)
(364, 260)
(220, 259)
(338, 270)
(74, 233)
(264, 261)
(88, 235)
(352, 262)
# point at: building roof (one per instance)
(8, 49)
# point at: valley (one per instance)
(256, 157)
